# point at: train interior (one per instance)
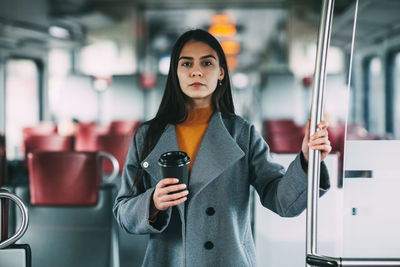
(78, 77)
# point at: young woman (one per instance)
(208, 223)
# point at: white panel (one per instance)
(371, 212)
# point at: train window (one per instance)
(22, 102)
(374, 101)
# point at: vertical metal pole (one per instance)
(316, 116)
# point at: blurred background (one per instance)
(108, 60)
(84, 70)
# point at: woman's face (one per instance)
(198, 72)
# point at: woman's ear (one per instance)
(221, 73)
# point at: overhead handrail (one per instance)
(110, 178)
(24, 221)
(312, 258)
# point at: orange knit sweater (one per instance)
(190, 133)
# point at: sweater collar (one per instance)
(198, 116)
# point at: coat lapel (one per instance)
(218, 151)
(167, 142)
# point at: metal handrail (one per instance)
(314, 156)
(115, 164)
(312, 258)
(24, 222)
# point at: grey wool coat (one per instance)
(212, 227)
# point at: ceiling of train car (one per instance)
(25, 22)
(376, 21)
(19, 18)
(94, 13)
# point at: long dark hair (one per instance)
(173, 109)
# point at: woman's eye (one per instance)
(186, 64)
(207, 63)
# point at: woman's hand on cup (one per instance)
(164, 197)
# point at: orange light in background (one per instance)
(222, 30)
(222, 25)
(230, 47)
(232, 62)
(222, 19)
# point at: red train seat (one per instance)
(116, 145)
(64, 178)
(283, 136)
(43, 128)
(48, 143)
(86, 133)
(123, 127)
(70, 218)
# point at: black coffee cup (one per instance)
(175, 164)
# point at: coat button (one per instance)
(145, 164)
(209, 245)
(210, 211)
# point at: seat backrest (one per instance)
(123, 127)
(64, 178)
(70, 213)
(116, 145)
(283, 136)
(336, 135)
(48, 143)
(43, 128)
(85, 136)
(280, 126)
(285, 143)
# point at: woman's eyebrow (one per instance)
(207, 56)
(191, 58)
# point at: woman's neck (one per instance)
(198, 103)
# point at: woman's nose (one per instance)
(197, 73)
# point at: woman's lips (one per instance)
(197, 84)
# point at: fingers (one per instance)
(164, 197)
(318, 141)
(323, 125)
(163, 202)
(167, 181)
(172, 188)
(319, 134)
(173, 197)
(175, 202)
(323, 147)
